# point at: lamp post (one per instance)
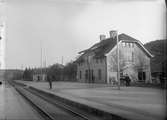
(118, 67)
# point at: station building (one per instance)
(98, 64)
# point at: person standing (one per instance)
(127, 79)
(50, 81)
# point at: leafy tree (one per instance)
(55, 72)
(70, 71)
(158, 49)
(58, 72)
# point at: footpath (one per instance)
(133, 103)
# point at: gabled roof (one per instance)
(104, 46)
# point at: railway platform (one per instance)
(133, 103)
(14, 107)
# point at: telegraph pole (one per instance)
(62, 76)
(118, 67)
(41, 58)
(62, 60)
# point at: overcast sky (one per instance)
(65, 27)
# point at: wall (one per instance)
(132, 60)
(92, 64)
(111, 62)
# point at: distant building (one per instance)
(39, 75)
(11, 74)
(98, 64)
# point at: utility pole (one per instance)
(62, 76)
(41, 58)
(44, 57)
(118, 67)
(62, 60)
(21, 66)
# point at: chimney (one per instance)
(102, 37)
(113, 34)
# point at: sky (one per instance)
(62, 28)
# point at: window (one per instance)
(126, 44)
(86, 74)
(131, 45)
(123, 44)
(133, 57)
(80, 74)
(99, 74)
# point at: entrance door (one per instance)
(90, 76)
(141, 76)
(38, 78)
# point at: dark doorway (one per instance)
(38, 78)
(89, 75)
(141, 76)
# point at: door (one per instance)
(141, 76)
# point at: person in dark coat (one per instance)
(50, 81)
(127, 80)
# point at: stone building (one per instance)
(98, 64)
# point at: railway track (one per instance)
(39, 109)
(51, 109)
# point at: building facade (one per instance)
(39, 75)
(98, 64)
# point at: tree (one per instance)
(27, 74)
(70, 71)
(55, 72)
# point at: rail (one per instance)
(27, 94)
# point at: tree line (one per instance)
(57, 72)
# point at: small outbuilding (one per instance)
(39, 74)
